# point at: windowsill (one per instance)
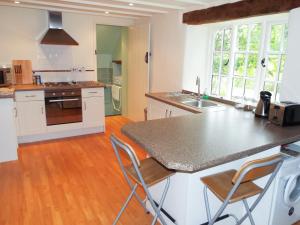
(221, 100)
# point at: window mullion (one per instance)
(266, 29)
(221, 61)
(232, 57)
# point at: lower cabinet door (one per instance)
(175, 111)
(93, 111)
(31, 118)
(157, 110)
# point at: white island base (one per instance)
(185, 202)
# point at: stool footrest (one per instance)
(166, 213)
(219, 219)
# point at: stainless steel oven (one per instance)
(5, 77)
(63, 106)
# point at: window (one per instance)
(275, 58)
(248, 58)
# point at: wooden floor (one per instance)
(72, 181)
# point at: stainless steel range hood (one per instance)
(56, 34)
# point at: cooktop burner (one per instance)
(60, 84)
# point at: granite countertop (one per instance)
(200, 141)
(173, 99)
(6, 92)
(9, 92)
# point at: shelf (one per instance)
(61, 71)
(117, 61)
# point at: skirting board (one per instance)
(60, 134)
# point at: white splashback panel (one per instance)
(290, 82)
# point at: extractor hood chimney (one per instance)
(56, 35)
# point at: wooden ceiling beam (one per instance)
(238, 10)
(152, 4)
(126, 7)
(91, 8)
(28, 6)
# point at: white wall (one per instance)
(22, 29)
(167, 45)
(195, 57)
(290, 90)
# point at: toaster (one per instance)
(285, 113)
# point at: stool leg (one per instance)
(135, 194)
(145, 201)
(153, 204)
(248, 211)
(163, 197)
(206, 204)
(125, 204)
(220, 211)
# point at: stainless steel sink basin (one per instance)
(199, 104)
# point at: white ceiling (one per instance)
(116, 8)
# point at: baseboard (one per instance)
(59, 134)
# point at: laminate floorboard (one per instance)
(72, 181)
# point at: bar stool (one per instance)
(233, 186)
(144, 173)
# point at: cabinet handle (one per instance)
(84, 106)
(170, 114)
(30, 96)
(16, 112)
(92, 92)
(166, 114)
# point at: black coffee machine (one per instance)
(263, 105)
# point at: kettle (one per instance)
(263, 105)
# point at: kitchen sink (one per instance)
(199, 104)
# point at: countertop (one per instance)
(9, 92)
(172, 99)
(200, 141)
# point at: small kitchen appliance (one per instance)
(5, 77)
(285, 113)
(263, 105)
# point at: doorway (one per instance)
(111, 55)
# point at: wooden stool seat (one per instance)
(151, 171)
(221, 184)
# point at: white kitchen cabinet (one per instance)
(30, 112)
(8, 135)
(159, 110)
(93, 107)
(175, 111)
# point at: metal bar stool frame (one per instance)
(116, 142)
(239, 180)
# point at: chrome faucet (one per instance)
(198, 85)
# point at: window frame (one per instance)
(266, 22)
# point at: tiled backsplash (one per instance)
(105, 75)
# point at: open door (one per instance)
(138, 70)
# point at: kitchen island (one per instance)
(203, 144)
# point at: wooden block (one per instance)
(22, 71)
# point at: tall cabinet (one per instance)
(8, 137)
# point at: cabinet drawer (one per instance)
(24, 96)
(92, 92)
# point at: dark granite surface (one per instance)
(197, 142)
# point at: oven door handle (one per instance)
(65, 100)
